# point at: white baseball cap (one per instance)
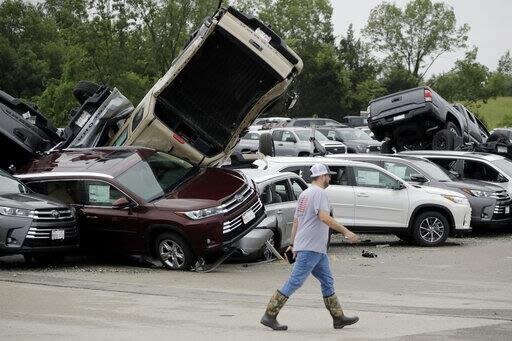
(319, 169)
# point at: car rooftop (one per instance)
(312, 160)
(262, 175)
(482, 156)
(378, 156)
(102, 161)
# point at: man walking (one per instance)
(310, 236)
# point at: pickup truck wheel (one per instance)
(174, 252)
(84, 89)
(453, 128)
(443, 140)
(430, 229)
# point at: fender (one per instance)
(270, 222)
(451, 220)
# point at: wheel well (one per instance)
(440, 209)
(451, 118)
(155, 230)
(304, 154)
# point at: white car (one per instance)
(367, 198)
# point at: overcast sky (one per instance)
(490, 21)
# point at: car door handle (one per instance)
(362, 195)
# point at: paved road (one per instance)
(460, 291)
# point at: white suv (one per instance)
(367, 198)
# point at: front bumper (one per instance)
(461, 218)
(490, 212)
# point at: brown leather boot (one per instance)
(339, 320)
(274, 306)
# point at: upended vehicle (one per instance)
(232, 69)
(143, 202)
(32, 224)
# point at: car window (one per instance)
(99, 193)
(277, 135)
(404, 172)
(302, 171)
(67, 191)
(121, 139)
(298, 187)
(283, 190)
(251, 136)
(368, 177)
(287, 136)
(329, 133)
(477, 170)
(9, 184)
(138, 118)
(341, 178)
(449, 165)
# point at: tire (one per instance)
(174, 252)
(84, 89)
(430, 228)
(266, 146)
(443, 140)
(454, 128)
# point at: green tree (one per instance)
(416, 35)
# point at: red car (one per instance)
(140, 201)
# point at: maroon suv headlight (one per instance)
(203, 213)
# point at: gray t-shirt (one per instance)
(312, 233)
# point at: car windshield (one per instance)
(504, 165)
(305, 134)
(8, 184)
(353, 134)
(155, 176)
(434, 171)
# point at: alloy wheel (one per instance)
(171, 254)
(432, 229)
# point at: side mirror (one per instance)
(121, 203)
(455, 174)
(418, 178)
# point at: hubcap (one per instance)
(171, 254)
(432, 229)
(267, 253)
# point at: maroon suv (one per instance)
(139, 201)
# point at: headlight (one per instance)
(457, 200)
(481, 194)
(15, 212)
(203, 213)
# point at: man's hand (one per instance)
(290, 248)
(352, 237)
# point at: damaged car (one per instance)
(137, 201)
(233, 68)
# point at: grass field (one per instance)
(494, 111)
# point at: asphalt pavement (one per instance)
(459, 291)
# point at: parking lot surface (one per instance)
(458, 291)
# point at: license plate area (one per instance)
(502, 149)
(399, 117)
(248, 216)
(57, 234)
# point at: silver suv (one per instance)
(298, 142)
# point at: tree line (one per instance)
(47, 47)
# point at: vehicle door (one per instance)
(341, 195)
(288, 144)
(378, 200)
(279, 201)
(473, 128)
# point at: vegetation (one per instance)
(47, 46)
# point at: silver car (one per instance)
(279, 193)
(297, 142)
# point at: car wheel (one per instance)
(84, 89)
(174, 252)
(453, 128)
(430, 229)
(443, 140)
(387, 147)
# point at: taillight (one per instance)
(179, 138)
(428, 95)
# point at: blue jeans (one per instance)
(310, 262)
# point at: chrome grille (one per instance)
(500, 195)
(53, 214)
(233, 224)
(237, 199)
(502, 201)
(45, 232)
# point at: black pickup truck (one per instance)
(420, 118)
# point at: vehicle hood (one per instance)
(210, 187)
(28, 201)
(474, 185)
